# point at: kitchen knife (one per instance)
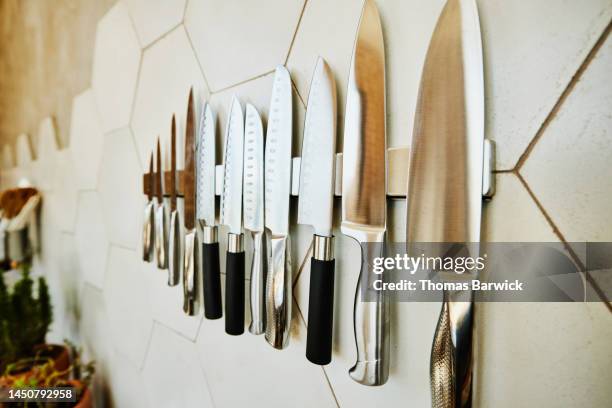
(175, 261)
(363, 191)
(161, 228)
(205, 212)
(148, 229)
(315, 208)
(253, 204)
(277, 182)
(445, 182)
(191, 261)
(231, 215)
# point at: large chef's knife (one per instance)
(316, 207)
(148, 229)
(277, 180)
(161, 228)
(445, 181)
(253, 203)
(363, 191)
(175, 261)
(192, 248)
(205, 213)
(231, 216)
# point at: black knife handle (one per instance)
(234, 293)
(212, 281)
(320, 311)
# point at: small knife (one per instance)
(315, 208)
(175, 261)
(205, 212)
(148, 229)
(191, 262)
(161, 228)
(363, 191)
(277, 180)
(253, 203)
(231, 215)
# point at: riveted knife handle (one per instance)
(148, 233)
(258, 284)
(161, 244)
(213, 308)
(278, 293)
(175, 261)
(320, 311)
(191, 266)
(234, 286)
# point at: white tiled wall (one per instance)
(548, 95)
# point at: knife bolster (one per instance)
(235, 243)
(210, 234)
(323, 248)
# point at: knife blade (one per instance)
(445, 182)
(363, 191)
(231, 215)
(253, 203)
(315, 208)
(277, 181)
(205, 213)
(175, 261)
(191, 262)
(148, 230)
(161, 228)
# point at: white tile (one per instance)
(569, 169)
(127, 387)
(86, 140)
(64, 198)
(91, 241)
(46, 155)
(7, 156)
(23, 150)
(172, 373)
(120, 188)
(127, 304)
(250, 38)
(153, 18)
(115, 67)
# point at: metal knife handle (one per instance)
(212, 274)
(234, 285)
(258, 284)
(191, 266)
(148, 233)
(451, 355)
(278, 293)
(371, 324)
(175, 261)
(161, 244)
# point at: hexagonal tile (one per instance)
(120, 188)
(154, 18)
(7, 156)
(64, 198)
(126, 384)
(24, 150)
(169, 69)
(168, 355)
(249, 38)
(115, 67)
(86, 140)
(91, 240)
(46, 155)
(127, 304)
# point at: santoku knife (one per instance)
(363, 192)
(315, 208)
(161, 228)
(175, 261)
(148, 226)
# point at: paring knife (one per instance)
(363, 191)
(192, 246)
(161, 228)
(148, 226)
(175, 261)
(277, 181)
(205, 212)
(231, 215)
(253, 203)
(445, 182)
(315, 208)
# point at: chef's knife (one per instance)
(148, 229)
(363, 191)
(205, 212)
(191, 262)
(315, 208)
(231, 215)
(161, 228)
(174, 245)
(277, 181)
(445, 181)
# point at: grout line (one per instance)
(148, 347)
(173, 330)
(136, 87)
(297, 27)
(242, 82)
(303, 264)
(197, 57)
(331, 388)
(161, 37)
(185, 11)
(297, 92)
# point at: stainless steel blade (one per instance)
(253, 171)
(205, 197)
(316, 194)
(231, 199)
